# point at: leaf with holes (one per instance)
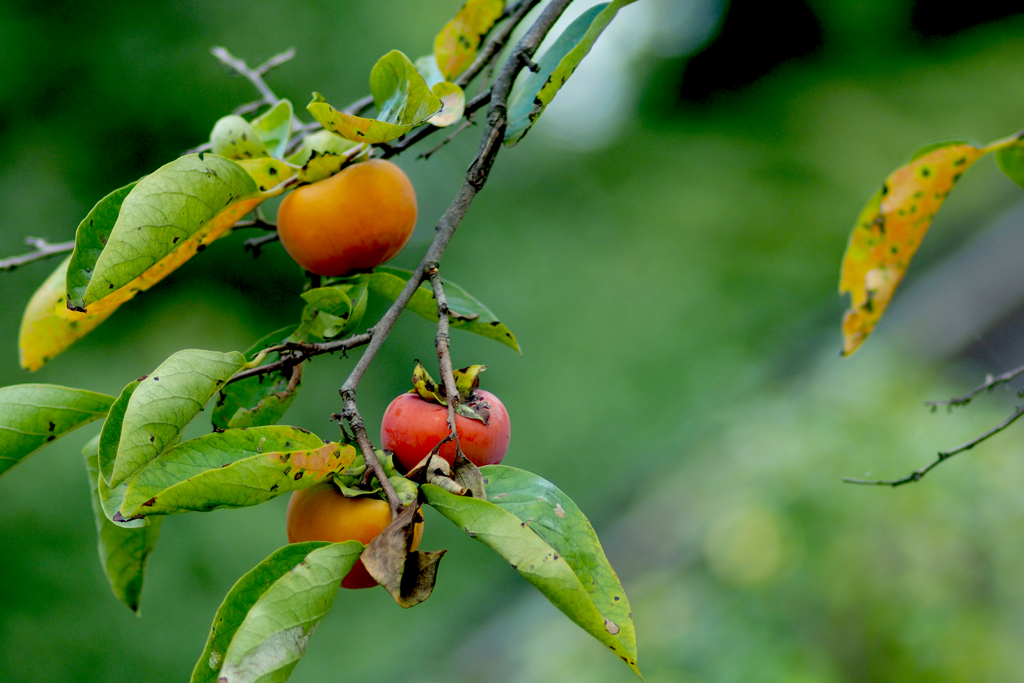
(164, 220)
(537, 561)
(165, 402)
(402, 97)
(124, 551)
(554, 517)
(275, 127)
(262, 400)
(280, 620)
(466, 313)
(456, 45)
(890, 230)
(33, 415)
(556, 66)
(234, 468)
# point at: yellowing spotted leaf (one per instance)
(456, 45)
(890, 230)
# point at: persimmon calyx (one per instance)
(469, 404)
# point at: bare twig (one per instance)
(43, 250)
(293, 353)
(430, 152)
(429, 129)
(916, 475)
(275, 61)
(476, 176)
(991, 382)
(240, 67)
(442, 343)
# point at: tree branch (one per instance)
(293, 353)
(443, 345)
(476, 176)
(255, 76)
(916, 475)
(43, 250)
(990, 383)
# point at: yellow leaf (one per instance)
(456, 45)
(168, 264)
(44, 334)
(890, 230)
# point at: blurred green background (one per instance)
(666, 247)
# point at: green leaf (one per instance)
(333, 310)
(322, 155)
(275, 127)
(537, 561)
(456, 45)
(235, 138)
(553, 516)
(164, 220)
(240, 599)
(165, 402)
(453, 104)
(466, 313)
(399, 91)
(276, 629)
(556, 66)
(33, 415)
(351, 127)
(110, 435)
(124, 551)
(1010, 160)
(234, 468)
(402, 97)
(321, 142)
(258, 401)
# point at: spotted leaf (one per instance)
(456, 45)
(540, 563)
(33, 415)
(164, 220)
(466, 312)
(124, 551)
(165, 402)
(890, 230)
(556, 66)
(234, 468)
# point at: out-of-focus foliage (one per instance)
(655, 284)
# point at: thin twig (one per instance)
(430, 152)
(240, 67)
(293, 353)
(916, 475)
(990, 383)
(275, 61)
(443, 345)
(43, 250)
(476, 176)
(425, 131)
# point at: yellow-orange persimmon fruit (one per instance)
(323, 513)
(358, 218)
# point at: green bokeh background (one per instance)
(674, 294)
